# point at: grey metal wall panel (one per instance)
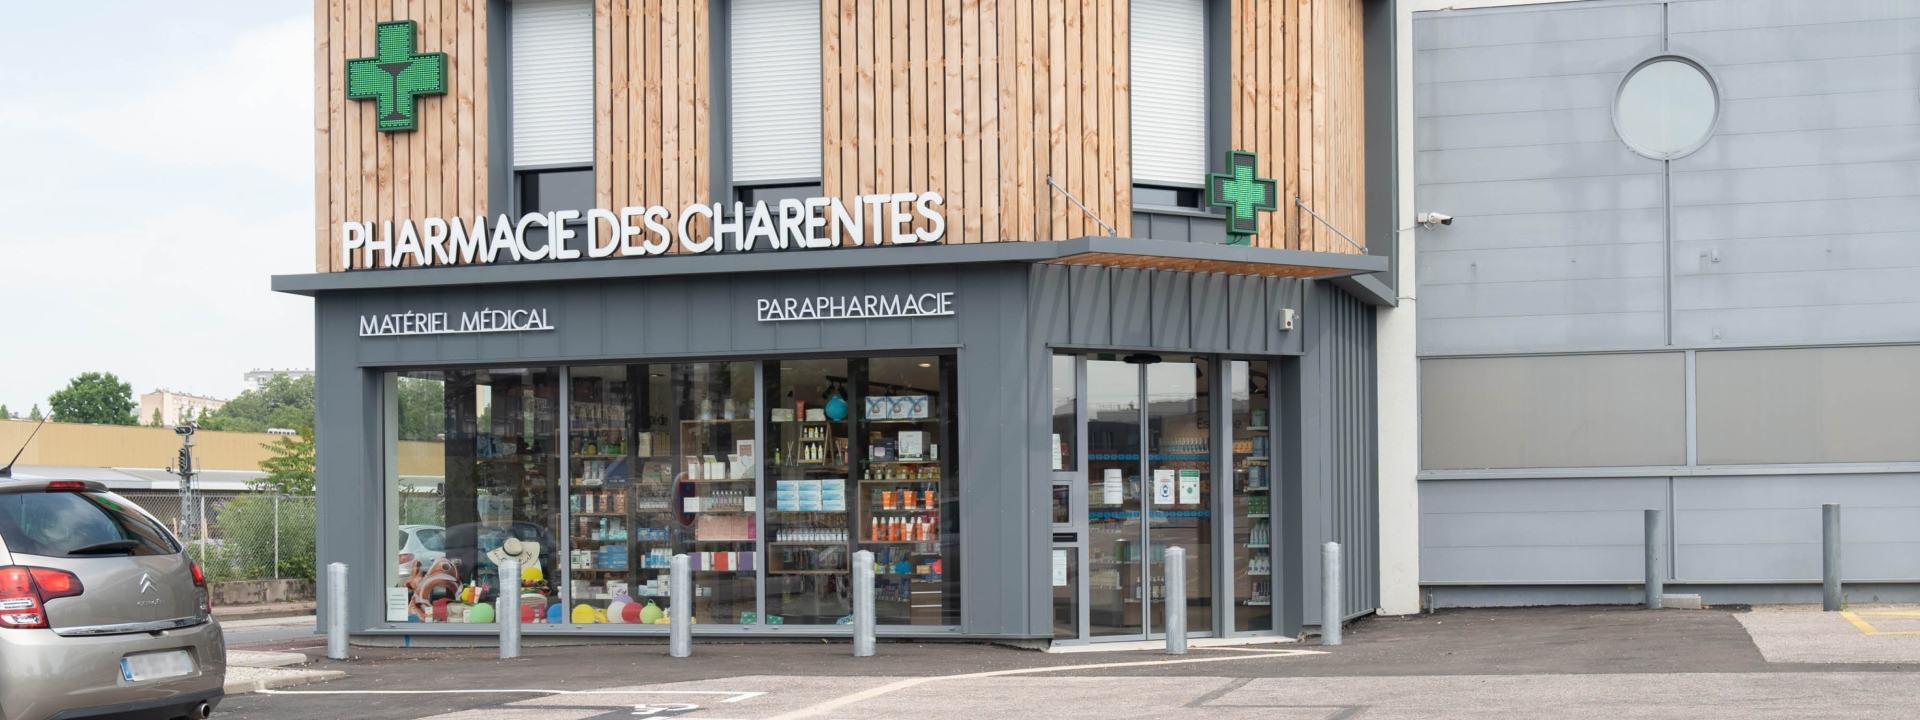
(1535, 531)
(1172, 326)
(1336, 471)
(586, 329)
(1051, 293)
(1553, 411)
(1808, 405)
(1210, 312)
(1568, 22)
(1132, 307)
(1768, 527)
(1248, 313)
(667, 331)
(1092, 305)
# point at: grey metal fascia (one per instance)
(1368, 289)
(777, 261)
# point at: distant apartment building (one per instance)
(175, 407)
(257, 379)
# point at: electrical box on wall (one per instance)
(1285, 318)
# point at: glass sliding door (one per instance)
(1115, 537)
(1181, 470)
(1252, 481)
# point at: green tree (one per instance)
(4, 415)
(284, 402)
(290, 470)
(156, 422)
(422, 409)
(97, 398)
(35, 415)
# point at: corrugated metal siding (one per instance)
(775, 80)
(1343, 344)
(552, 82)
(1165, 310)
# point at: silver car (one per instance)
(102, 615)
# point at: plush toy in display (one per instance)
(441, 581)
(651, 613)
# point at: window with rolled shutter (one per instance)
(1169, 91)
(775, 79)
(552, 83)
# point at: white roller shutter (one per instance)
(1169, 87)
(775, 75)
(552, 82)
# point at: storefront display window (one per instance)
(476, 482)
(1252, 497)
(1181, 463)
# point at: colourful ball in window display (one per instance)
(614, 611)
(630, 613)
(553, 613)
(480, 614)
(582, 615)
(528, 613)
(651, 613)
(532, 574)
(837, 408)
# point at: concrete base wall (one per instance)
(1465, 596)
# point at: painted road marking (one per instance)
(1866, 628)
(871, 693)
(737, 696)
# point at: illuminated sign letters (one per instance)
(487, 320)
(855, 307)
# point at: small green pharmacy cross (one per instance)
(1242, 193)
(395, 74)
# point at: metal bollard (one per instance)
(680, 626)
(1830, 557)
(1176, 600)
(863, 617)
(1330, 594)
(337, 611)
(507, 609)
(1656, 571)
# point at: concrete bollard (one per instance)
(337, 611)
(1656, 570)
(1330, 594)
(507, 609)
(1176, 600)
(863, 612)
(680, 592)
(1830, 557)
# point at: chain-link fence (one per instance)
(244, 536)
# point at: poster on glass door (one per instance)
(1163, 487)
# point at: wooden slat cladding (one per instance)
(652, 98)
(978, 100)
(438, 170)
(1297, 101)
(968, 98)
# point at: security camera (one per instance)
(1430, 219)
(185, 429)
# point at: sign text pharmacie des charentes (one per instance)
(813, 223)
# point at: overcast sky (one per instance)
(156, 167)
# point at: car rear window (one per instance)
(432, 539)
(58, 523)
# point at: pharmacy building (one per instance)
(1016, 295)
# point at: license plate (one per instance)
(153, 666)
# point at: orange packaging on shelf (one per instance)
(910, 500)
(930, 503)
(887, 501)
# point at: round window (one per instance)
(1666, 107)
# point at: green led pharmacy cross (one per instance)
(1242, 193)
(396, 75)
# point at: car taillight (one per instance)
(201, 591)
(65, 485)
(24, 592)
(199, 579)
(406, 558)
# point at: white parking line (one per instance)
(737, 696)
(871, 693)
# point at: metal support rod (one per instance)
(1330, 594)
(276, 536)
(680, 609)
(1176, 604)
(1656, 570)
(1323, 221)
(1830, 557)
(337, 611)
(507, 610)
(863, 617)
(1076, 202)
